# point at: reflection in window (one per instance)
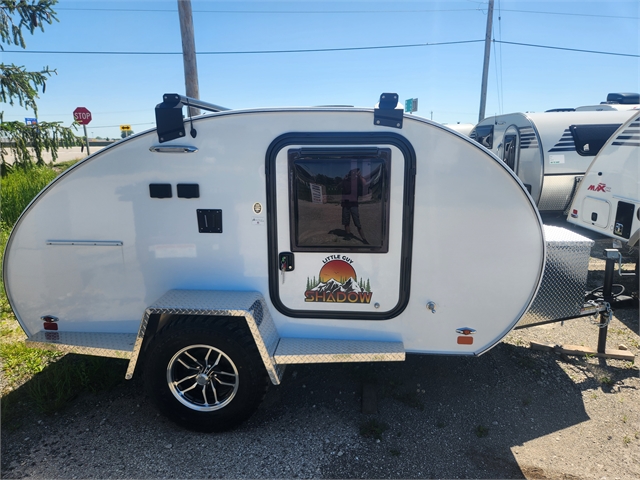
(339, 199)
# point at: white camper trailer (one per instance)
(615, 101)
(224, 247)
(549, 151)
(608, 198)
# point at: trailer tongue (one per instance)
(224, 247)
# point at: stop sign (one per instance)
(82, 115)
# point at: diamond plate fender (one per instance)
(250, 305)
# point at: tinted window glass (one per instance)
(509, 154)
(589, 139)
(339, 199)
(483, 134)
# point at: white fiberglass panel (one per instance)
(476, 251)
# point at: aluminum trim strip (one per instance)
(113, 345)
(250, 305)
(90, 243)
(307, 350)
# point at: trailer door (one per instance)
(340, 224)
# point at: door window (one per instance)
(339, 199)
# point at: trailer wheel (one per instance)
(205, 373)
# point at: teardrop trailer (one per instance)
(550, 151)
(219, 249)
(608, 199)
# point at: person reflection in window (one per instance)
(353, 186)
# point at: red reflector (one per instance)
(50, 326)
(465, 340)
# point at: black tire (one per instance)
(205, 373)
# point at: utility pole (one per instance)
(485, 70)
(189, 53)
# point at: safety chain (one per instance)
(608, 313)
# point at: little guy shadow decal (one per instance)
(338, 282)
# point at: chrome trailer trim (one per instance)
(250, 305)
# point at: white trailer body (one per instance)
(549, 151)
(608, 198)
(248, 220)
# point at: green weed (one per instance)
(19, 363)
(481, 431)
(394, 452)
(20, 187)
(607, 381)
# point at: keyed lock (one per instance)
(285, 263)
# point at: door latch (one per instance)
(285, 263)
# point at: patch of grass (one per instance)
(410, 399)
(20, 187)
(62, 166)
(52, 389)
(20, 363)
(394, 452)
(608, 381)
(626, 440)
(372, 428)
(624, 419)
(526, 401)
(481, 431)
(440, 424)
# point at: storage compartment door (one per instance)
(596, 211)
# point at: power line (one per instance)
(569, 49)
(333, 12)
(273, 12)
(315, 50)
(571, 14)
(248, 52)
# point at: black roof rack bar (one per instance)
(173, 99)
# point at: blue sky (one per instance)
(124, 89)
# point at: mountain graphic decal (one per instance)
(338, 283)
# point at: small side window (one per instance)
(483, 134)
(509, 154)
(339, 199)
(589, 139)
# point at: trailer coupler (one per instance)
(593, 307)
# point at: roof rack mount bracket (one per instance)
(169, 118)
(387, 113)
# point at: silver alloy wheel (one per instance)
(202, 378)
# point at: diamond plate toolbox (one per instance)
(561, 293)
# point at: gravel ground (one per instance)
(511, 413)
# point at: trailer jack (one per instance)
(603, 307)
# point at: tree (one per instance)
(17, 85)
